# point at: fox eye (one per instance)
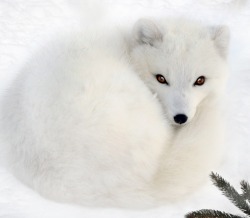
(200, 81)
(161, 79)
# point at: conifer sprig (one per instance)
(210, 214)
(242, 201)
(230, 192)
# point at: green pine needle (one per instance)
(210, 214)
(242, 201)
(245, 187)
(229, 191)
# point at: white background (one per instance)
(26, 24)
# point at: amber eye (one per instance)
(200, 81)
(161, 79)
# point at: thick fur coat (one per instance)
(87, 122)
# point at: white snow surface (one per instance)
(26, 24)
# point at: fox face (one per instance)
(182, 62)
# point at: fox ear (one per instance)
(147, 32)
(221, 37)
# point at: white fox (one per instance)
(105, 123)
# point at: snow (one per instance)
(25, 24)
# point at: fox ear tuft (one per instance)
(147, 32)
(221, 37)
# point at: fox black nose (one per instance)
(180, 118)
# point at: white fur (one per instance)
(182, 52)
(81, 126)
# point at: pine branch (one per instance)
(210, 214)
(245, 187)
(231, 193)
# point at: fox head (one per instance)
(183, 62)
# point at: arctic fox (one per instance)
(110, 122)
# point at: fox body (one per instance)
(113, 122)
